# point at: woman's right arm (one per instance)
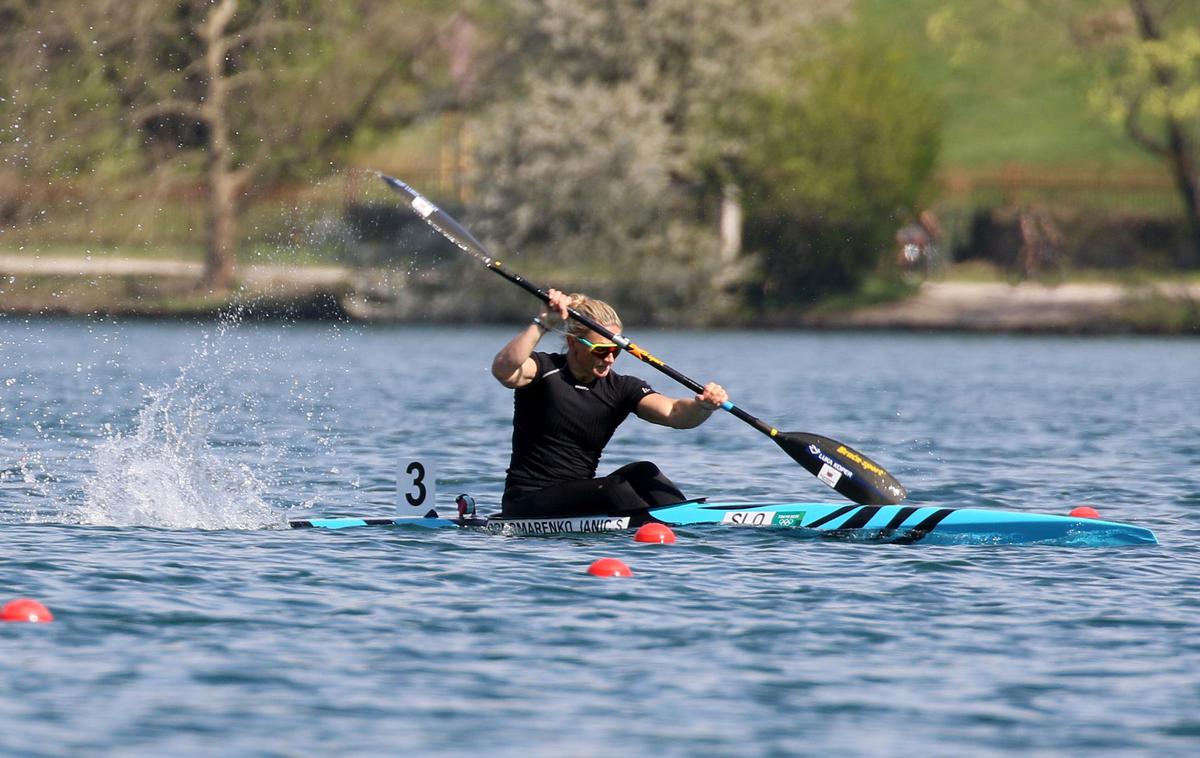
(514, 366)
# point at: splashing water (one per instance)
(168, 472)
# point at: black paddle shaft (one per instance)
(626, 344)
(846, 470)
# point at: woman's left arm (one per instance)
(682, 412)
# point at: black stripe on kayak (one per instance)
(836, 514)
(860, 519)
(901, 516)
(922, 530)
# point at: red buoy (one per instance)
(25, 609)
(1084, 511)
(654, 532)
(609, 567)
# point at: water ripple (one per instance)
(190, 621)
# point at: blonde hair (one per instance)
(597, 310)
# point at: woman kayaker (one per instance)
(567, 407)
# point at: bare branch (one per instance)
(213, 28)
(369, 97)
(261, 31)
(1134, 128)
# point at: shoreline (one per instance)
(158, 289)
(1032, 308)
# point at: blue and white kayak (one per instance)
(896, 524)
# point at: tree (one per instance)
(1153, 88)
(1146, 55)
(256, 89)
(601, 149)
(57, 120)
(830, 164)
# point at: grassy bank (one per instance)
(1010, 96)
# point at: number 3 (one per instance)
(416, 484)
(417, 472)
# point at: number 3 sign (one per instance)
(416, 484)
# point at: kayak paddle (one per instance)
(846, 470)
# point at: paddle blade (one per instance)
(845, 469)
(441, 221)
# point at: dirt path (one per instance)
(315, 276)
(997, 306)
(981, 306)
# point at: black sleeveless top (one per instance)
(560, 427)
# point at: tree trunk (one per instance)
(1179, 152)
(1184, 173)
(221, 239)
(224, 182)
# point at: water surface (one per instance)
(147, 471)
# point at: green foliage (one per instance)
(100, 94)
(575, 172)
(1152, 311)
(1153, 80)
(229, 96)
(579, 175)
(57, 122)
(831, 168)
(598, 150)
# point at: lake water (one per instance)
(147, 471)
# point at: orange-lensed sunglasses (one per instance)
(601, 349)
